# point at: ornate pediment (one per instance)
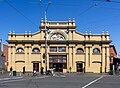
(57, 36)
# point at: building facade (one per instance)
(5, 53)
(113, 51)
(67, 49)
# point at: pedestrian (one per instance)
(10, 74)
(34, 73)
(24, 70)
(70, 69)
(42, 70)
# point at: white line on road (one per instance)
(39, 77)
(12, 81)
(11, 78)
(92, 82)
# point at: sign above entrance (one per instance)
(57, 36)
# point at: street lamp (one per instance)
(46, 35)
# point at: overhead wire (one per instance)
(66, 4)
(20, 13)
(107, 7)
(115, 1)
(85, 10)
(90, 7)
(109, 1)
(108, 18)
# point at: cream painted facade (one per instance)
(65, 48)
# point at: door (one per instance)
(58, 62)
(58, 67)
(79, 67)
(36, 67)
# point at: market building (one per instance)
(67, 49)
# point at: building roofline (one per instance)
(114, 48)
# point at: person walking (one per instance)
(24, 70)
(42, 70)
(10, 74)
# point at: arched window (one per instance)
(35, 50)
(96, 50)
(80, 50)
(20, 50)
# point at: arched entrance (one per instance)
(80, 66)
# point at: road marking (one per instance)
(92, 82)
(11, 78)
(59, 76)
(39, 77)
(12, 81)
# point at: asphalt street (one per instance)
(63, 81)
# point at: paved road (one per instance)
(63, 81)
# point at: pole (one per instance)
(45, 43)
(46, 36)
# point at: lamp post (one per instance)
(46, 35)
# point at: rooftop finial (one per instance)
(25, 32)
(103, 32)
(69, 20)
(13, 32)
(41, 19)
(73, 19)
(10, 32)
(29, 32)
(90, 32)
(107, 33)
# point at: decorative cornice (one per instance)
(58, 42)
(60, 27)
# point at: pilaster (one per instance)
(13, 57)
(74, 59)
(70, 58)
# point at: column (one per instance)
(14, 58)
(30, 64)
(74, 59)
(103, 59)
(86, 59)
(107, 59)
(90, 56)
(70, 35)
(73, 35)
(26, 61)
(69, 58)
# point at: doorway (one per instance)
(36, 67)
(58, 62)
(58, 67)
(79, 67)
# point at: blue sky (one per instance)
(90, 15)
